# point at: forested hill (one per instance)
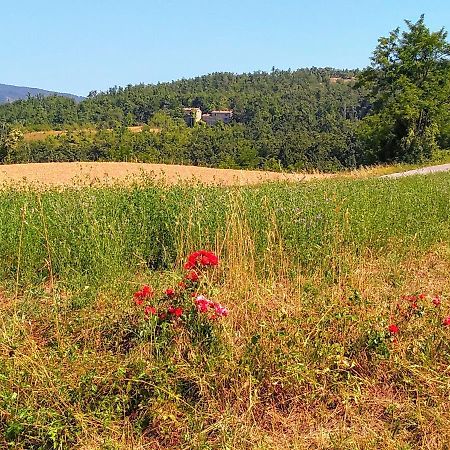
(10, 93)
(279, 96)
(281, 119)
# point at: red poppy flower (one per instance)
(202, 303)
(177, 312)
(422, 296)
(162, 316)
(170, 292)
(201, 258)
(393, 329)
(446, 321)
(182, 285)
(145, 292)
(202, 306)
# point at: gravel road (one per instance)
(422, 171)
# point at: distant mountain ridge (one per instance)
(10, 93)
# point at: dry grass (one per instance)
(107, 173)
(41, 135)
(88, 173)
(282, 397)
(303, 361)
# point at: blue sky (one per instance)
(77, 46)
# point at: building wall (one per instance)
(192, 115)
(217, 116)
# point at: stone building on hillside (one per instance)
(213, 117)
(192, 116)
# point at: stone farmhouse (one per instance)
(194, 115)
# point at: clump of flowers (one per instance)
(416, 305)
(143, 294)
(176, 304)
(212, 309)
(201, 258)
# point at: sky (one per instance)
(78, 46)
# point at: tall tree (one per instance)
(409, 87)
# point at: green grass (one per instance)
(93, 236)
(312, 275)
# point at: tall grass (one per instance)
(312, 275)
(94, 235)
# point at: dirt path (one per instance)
(422, 171)
(86, 173)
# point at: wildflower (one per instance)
(177, 312)
(202, 303)
(149, 310)
(446, 321)
(182, 285)
(192, 275)
(162, 316)
(422, 296)
(145, 292)
(170, 292)
(393, 329)
(221, 311)
(202, 258)
(436, 300)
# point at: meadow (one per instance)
(337, 332)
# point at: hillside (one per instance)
(285, 95)
(10, 93)
(297, 120)
(302, 120)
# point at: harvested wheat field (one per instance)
(42, 135)
(82, 173)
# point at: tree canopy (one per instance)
(409, 88)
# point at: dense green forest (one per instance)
(307, 119)
(299, 119)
